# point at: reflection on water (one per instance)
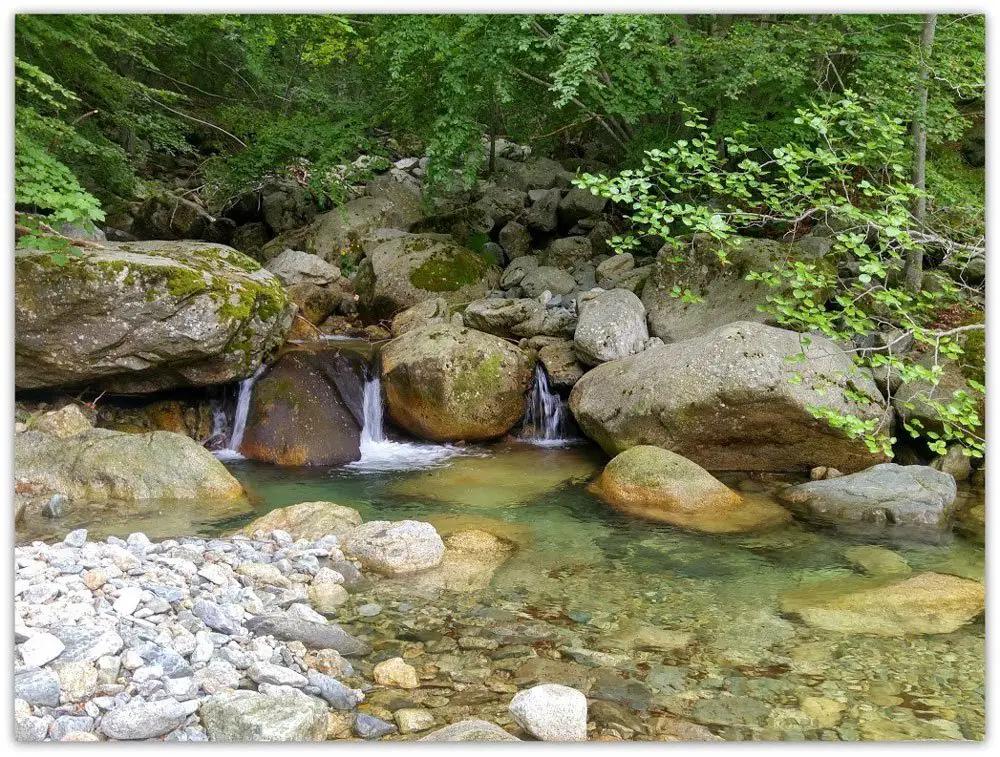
(698, 616)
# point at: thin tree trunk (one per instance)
(913, 271)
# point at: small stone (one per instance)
(216, 573)
(370, 727)
(147, 673)
(470, 730)
(251, 716)
(36, 686)
(216, 618)
(69, 724)
(369, 610)
(128, 600)
(94, 579)
(41, 648)
(76, 539)
(339, 696)
(826, 713)
(276, 675)
(395, 672)
(78, 680)
(551, 712)
(413, 720)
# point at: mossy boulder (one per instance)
(446, 383)
(139, 317)
(732, 400)
(307, 410)
(652, 483)
(404, 271)
(101, 465)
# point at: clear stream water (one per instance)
(584, 578)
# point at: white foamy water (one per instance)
(232, 450)
(546, 419)
(379, 453)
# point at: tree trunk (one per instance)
(913, 271)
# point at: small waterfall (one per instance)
(232, 450)
(546, 420)
(378, 452)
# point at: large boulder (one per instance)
(726, 295)
(515, 240)
(341, 232)
(561, 364)
(578, 204)
(611, 325)
(286, 204)
(403, 271)
(307, 410)
(542, 216)
(546, 278)
(534, 173)
(927, 603)
(652, 483)
(144, 316)
(568, 252)
(883, 496)
(98, 465)
(446, 383)
(731, 400)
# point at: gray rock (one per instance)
(515, 240)
(339, 696)
(37, 686)
(578, 204)
(66, 724)
(145, 720)
(470, 730)
(216, 618)
(615, 267)
(611, 325)
(730, 711)
(297, 267)
(76, 538)
(543, 216)
(41, 648)
(276, 675)
(250, 716)
(547, 278)
(568, 252)
(730, 400)
(551, 712)
(883, 496)
(518, 268)
(395, 548)
(86, 644)
(313, 635)
(370, 727)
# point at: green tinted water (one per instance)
(585, 579)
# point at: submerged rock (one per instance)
(144, 316)
(100, 465)
(307, 520)
(551, 712)
(403, 271)
(470, 730)
(927, 603)
(306, 410)
(652, 483)
(877, 561)
(446, 383)
(730, 400)
(883, 496)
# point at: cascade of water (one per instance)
(220, 423)
(240, 418)
(378, 452)
(546, 420)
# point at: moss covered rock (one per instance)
(406, 270)
(100, 465)
(144, 316)
(447, 383)
(652, 483)
(732, 400)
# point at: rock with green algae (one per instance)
(307, 520)
(144, 316)
(927, 603)
(446, 383)
(877, 561)
(650, 482)
(406, 270)
(100, 465)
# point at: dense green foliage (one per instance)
(718, 124)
